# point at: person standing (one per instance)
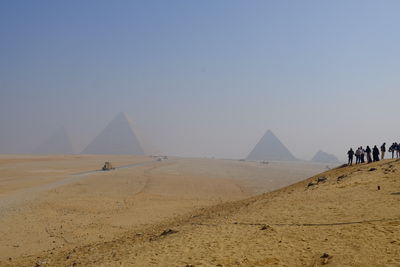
(392, 149)
(358, 155)
(375, 153)
(368, 151)
(362, 155)
(350, 154)
(383, 150)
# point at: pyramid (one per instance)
(58, 143)
(270, 148)
(118, 138)
(324, 157)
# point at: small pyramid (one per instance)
(270, 148)
(58, 143)
(324, 157)
(117, 138)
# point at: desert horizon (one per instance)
(199, 133)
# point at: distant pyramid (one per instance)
(324, 157)
(270, 148)
(117, 138)
(59, 143)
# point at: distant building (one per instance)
(58, 143)
(324, 157)
(118, 138)
(270, 148)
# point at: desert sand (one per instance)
(54, 204)
(194, 212)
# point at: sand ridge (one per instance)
(343, 220)
(105, 206)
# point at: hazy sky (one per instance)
(202, 78)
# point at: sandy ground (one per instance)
(26, 171)
(343, 220)
(48, 206)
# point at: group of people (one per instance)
(371, 155)
(395, 149)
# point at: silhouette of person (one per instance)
(362, 155)
(383, 150)
(350, 153)
(375, 153)
(368, 151)
(358, 154)
(398, 150)
(393, 148)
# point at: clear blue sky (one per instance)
(202, 78)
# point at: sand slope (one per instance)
(345, 217)
(52, 211)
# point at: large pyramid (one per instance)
(324, 157)
(58, 143)
(118, 138)
(270, 148)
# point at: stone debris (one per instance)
(41, 262)
(168, 232)
(319, 180)
(311, 184)
(325, 258)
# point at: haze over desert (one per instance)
(199, 133)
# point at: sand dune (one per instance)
(341, 221)
(120, 211)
